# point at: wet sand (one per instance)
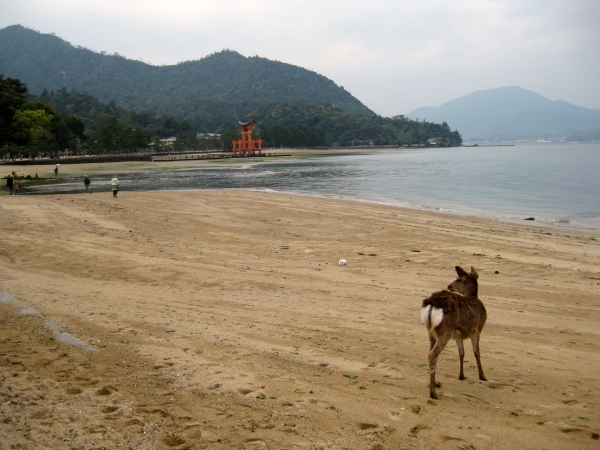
(108, 169)
(222, 320)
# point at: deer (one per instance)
(454, 314)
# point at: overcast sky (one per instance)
(393, 55)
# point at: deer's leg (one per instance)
(461, 354)
(432, 340)
(475, 341)
(440, 343)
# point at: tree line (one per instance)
(342, 128)
(30, 124)
(292, 136)
(69, 122)
(62, 122)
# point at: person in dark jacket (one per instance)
(87, 182)
(9, 184)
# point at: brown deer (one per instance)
(454, 315)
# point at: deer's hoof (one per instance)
(433, 395)
(462, 377)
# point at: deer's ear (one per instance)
(474, 273)
(461, 272)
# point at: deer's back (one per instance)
(465, 314)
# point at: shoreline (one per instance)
(556, 224)
(97, 169)
(551, 224)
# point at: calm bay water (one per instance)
(558, 184)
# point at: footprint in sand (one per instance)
(365, 426)
(396, 415)
(106, 390)
(109, 409)
(73, 390)
(254, 444)
(173, 440)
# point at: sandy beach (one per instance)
(222, 319)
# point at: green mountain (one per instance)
(209, 95)
(225, 79)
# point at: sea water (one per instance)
(557, 184)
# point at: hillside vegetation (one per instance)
(45, 61)
(294, 107)
(296, 124)
(78, 123)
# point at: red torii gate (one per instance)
(247, 144)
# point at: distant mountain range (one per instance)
(225, 81)
(510, 113)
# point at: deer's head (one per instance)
(466, 283)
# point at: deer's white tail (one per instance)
(431, 317)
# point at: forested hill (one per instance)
(45, 61)
(339, 127)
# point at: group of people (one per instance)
(12, 183)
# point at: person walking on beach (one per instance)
(56, 171)
(87, 182)
(16, 186)
(115, 185)
(9, 184)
